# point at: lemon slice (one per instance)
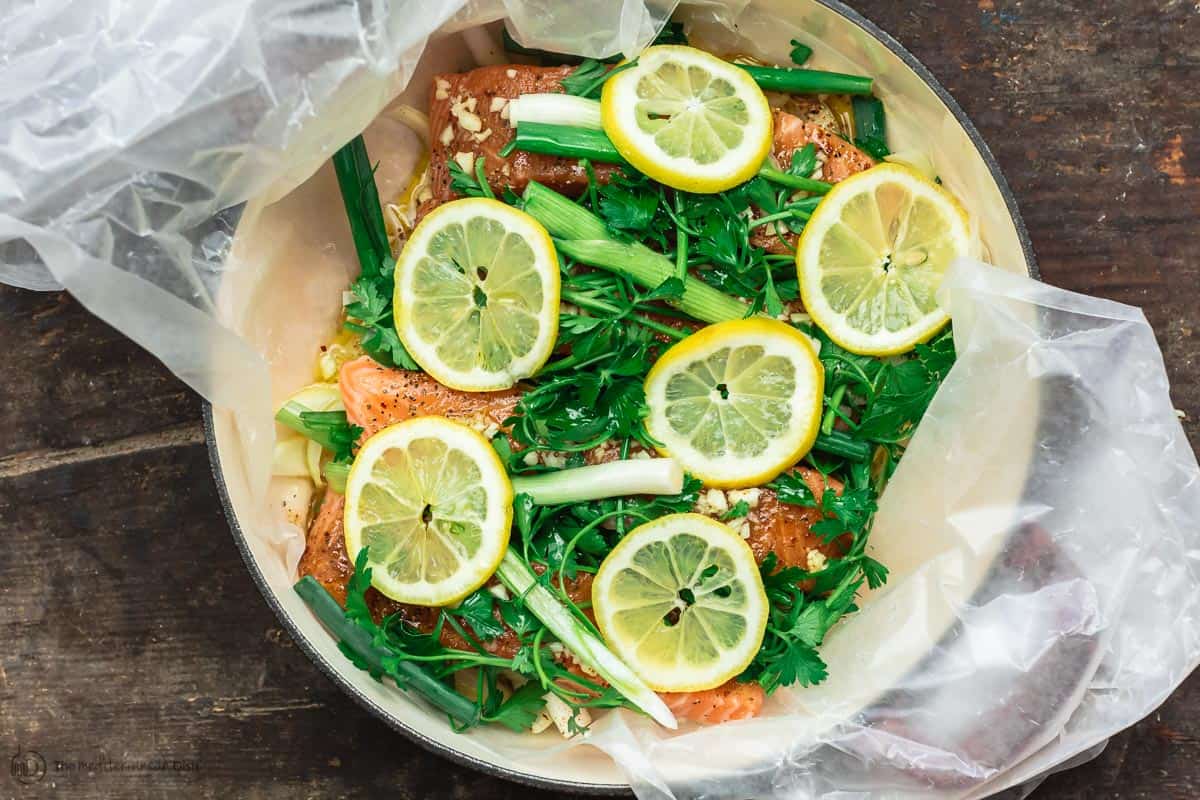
(688, 119)
(681, 601)
(738, 402)
(476, 301)
(872, 256)
(432, 504)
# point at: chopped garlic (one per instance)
(464, 111)
(740, 525)
(751, 496)
(480, 137)
(442, 89)
(490, 431)
(498, 591)
(542, 722)
(447, 135)
(816, 561)
(465, 160)
(498, 104)
(556, 460)
(512, 73)
(716, 501)
(562, 714)
(642, 454)
(531, 458)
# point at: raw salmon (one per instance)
(468, 120)
(731, 700)
(840, 160)
(376, 397)
(786, 529)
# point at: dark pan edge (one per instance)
(445, 750)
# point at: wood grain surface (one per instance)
(138, 658)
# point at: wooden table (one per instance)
(131, 630)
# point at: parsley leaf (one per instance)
(739, 509)
(465, 183)
(519, 712)
(800, 52)
(672, 33)
(478, 611)
(626, 210)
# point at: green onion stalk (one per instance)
(573, 142)
(807, 81)
(378, 660)
(611, 479)
(582, 642)
(319, 426)
(583, 236)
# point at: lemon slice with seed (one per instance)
(738, 402)
(688, 119)
(432, 504)
(476, 302)
(681, 601)
(872, 256)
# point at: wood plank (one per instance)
(73, 381)
(132, 632)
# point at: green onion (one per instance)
(356, 180)
(381, 661)
(807, 81)
(870, 126)
(611, 479)
(566, 141)
(562, 218)
(336, 474)
(776, 175)
(838, 443)
(515, 573)
(649, 269)
(555, 108)
(319, 426)
(583, 236)
(571, 142)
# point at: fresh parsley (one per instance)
(800, 53)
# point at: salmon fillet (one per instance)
(841, 160)
(468, 115)
(468, 120)
(729, 701)
(786, 529)
(375, 397)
